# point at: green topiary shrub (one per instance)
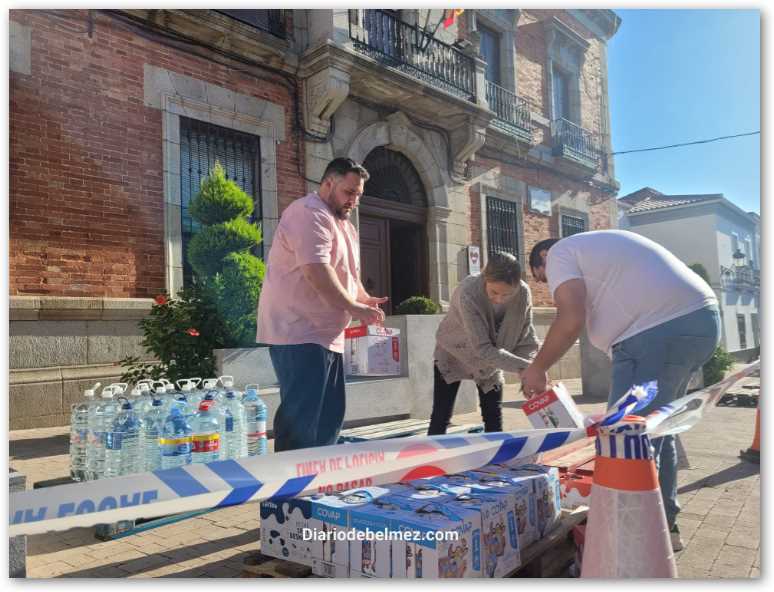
(716, 367)
(218, 309)
(417, 305)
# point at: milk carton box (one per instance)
(329, 526)
(445, 543)
(372, 350)
(378, 556)
(500, 554)
(521, 500)
(555, 408)
(546, 489)
(282, 526)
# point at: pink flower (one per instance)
(161, 299)
(193, 332)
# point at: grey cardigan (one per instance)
(466, 344)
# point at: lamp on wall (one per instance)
(739, 259)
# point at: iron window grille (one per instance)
(572, 225)
(502, 226)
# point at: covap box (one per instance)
(332, 515)
(282, 525)
(555, 408)
(500, 553)
(546, 489)
(372, 350)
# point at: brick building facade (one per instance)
(113, 114)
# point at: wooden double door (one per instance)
(393, 250)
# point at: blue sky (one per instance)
(682, 75)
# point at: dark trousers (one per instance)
(312, 396)
(444, 396)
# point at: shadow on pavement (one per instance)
(178, 555)
(738, 471)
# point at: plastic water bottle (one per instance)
(175, 441)
(206, 434)
(228, 386)
(79, 434)
(123, 455)
(101, 417)
(256, 413)
(234, 434)
(137, 400)
(152, 431)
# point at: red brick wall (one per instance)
(537, 227)
(86, 188)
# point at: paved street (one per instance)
(720, 522)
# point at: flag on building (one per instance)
(451, 16)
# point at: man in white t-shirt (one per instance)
(653, 316)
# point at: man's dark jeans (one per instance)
(444, 396)
(312, 396)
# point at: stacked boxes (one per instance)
(480, 522)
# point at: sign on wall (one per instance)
(474, 260)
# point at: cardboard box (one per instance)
(500, 553)
(331, 515)
(372, 350)
(555, 408)
(282, 525)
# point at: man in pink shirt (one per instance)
(311, 292)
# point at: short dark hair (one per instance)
(534, 257)
(502, 267)
(342, 166)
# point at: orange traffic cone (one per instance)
(753, 453)
(626, 533)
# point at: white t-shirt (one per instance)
(632, 283)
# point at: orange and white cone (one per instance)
(626, 533)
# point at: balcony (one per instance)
(575, 144)
(513, 115)
(743, 279)
(413, 51)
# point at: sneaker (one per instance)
(750, 455)
(677, 542)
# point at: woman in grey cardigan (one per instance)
(488, 329)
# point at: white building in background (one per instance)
(710, 230)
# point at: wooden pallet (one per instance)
(547, 558)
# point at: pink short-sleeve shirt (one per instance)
(290, 311)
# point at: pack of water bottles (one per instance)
(161, 425)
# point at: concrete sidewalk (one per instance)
(719, 493)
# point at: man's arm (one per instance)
(365, 298)
(324, 279)
(570, 300)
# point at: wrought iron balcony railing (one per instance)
(575, 143)
(271, 21)
(513, 112)
(741, 278)
(410, 49)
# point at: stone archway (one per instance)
(396, 134)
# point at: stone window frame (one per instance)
(506, 29)
(564, 211)
(516, 197)
(559, 36)
(176, 106)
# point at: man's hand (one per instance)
(367, 315)
(534, 381)
(374, 301)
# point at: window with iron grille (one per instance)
(572, 225)
(502, 226)
(201, 144)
